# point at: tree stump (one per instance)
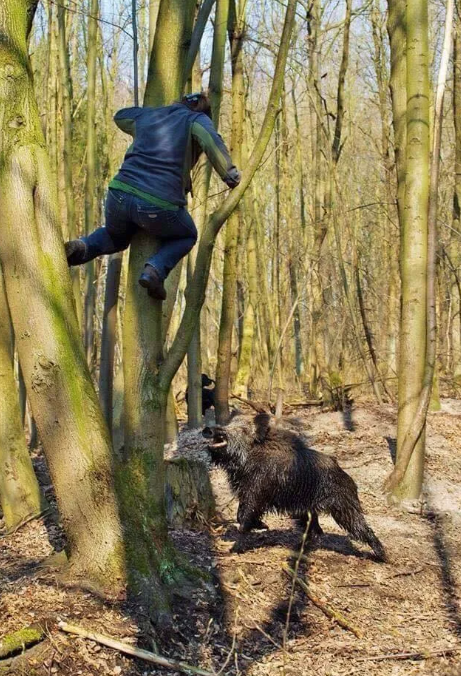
(189, 497)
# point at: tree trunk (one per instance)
(454, 241)
(140, 472)
(67, 96)
(90, 182)
(109, 335)
(229, 295)
(317, 359)
(421, 210)
(58, 382)
(153, 14)
(201, 186)
(397, 30)
(19, 489)
(414, 245)
(249, 323)
(389, 211)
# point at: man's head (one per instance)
(198, 103)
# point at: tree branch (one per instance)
(195, 292)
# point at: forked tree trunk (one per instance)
(141, 473)
(148, 375)
(19, 489)
(58, 382)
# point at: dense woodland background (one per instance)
(329, 279)
(291, 269)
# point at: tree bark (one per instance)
(19, 489)
(67, 96)
(454, 241)
(229, 295)
(90, 182)
(397, 31)
(59, 387)
(108, 338)
(195, 292)
(419, 324)
(140, 472)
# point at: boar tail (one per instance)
(351, 518)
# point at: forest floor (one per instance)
(408, 612)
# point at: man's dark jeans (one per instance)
(125, 213)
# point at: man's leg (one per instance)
(115, 236)
(177, 234)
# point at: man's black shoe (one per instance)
(150, 280)
(75, 252)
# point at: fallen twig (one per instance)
(265, 634)
(303, 404)
(132, 650)
(405, 573)
(256, 406)
(410, 656)
(329, 612)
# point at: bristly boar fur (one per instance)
(271, 468)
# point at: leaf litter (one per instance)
(235, 622)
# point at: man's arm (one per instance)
(125, 119)
(212, 144)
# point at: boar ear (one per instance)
(262, 425)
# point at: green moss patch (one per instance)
(18, 641)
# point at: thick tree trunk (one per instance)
(58, 382)
(19, 489)
(141, 472)
(195, 293)
(189, 496)
(153, 14)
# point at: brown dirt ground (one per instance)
(235, 623)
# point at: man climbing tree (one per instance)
(149, 192)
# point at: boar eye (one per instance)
(207, 433)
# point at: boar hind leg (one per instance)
(314, 530)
